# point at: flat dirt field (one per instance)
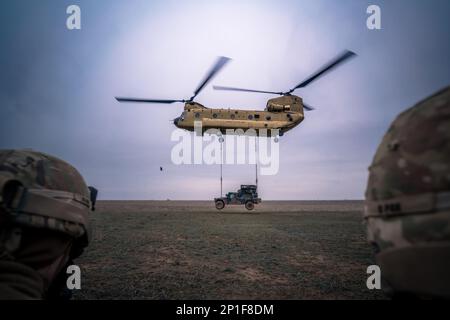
(189, 250)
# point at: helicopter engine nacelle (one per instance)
(278, 107)
(285, 103)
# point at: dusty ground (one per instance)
(188, 250)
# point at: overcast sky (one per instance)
(57, 86)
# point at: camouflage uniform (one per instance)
(44, 207)
(407, 207)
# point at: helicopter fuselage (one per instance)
(282, 114)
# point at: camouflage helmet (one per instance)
(407, 208)
(42, 191)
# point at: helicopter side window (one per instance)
(250, 117)
(197, 115)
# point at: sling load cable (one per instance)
(221, 164)
(221, 140)
(256, 161)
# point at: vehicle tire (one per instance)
(249, 205)
(220, 204)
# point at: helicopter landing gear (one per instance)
(219, 135)
(278, 133)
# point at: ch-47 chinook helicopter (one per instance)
(281, 114)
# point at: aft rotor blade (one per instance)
(326, 68)
(244, 90)
(308, 107)
(147, 100)
(221, 61)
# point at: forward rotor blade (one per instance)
(244, 90)
(221, 61)
(326, 68)
(147, 100)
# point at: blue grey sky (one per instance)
(57, 86)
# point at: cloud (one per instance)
(57, 87)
